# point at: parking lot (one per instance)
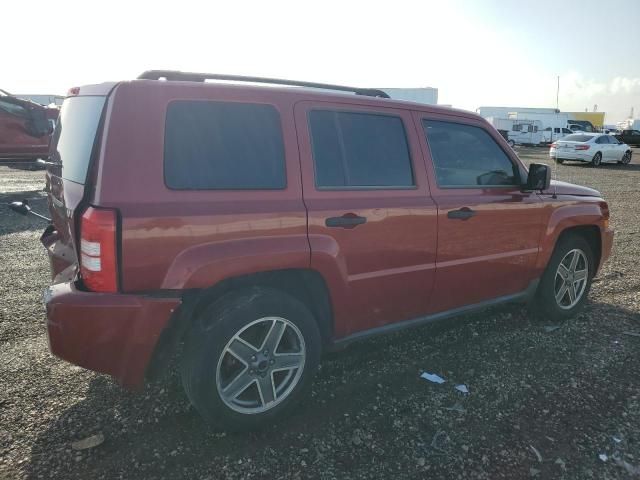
(545, 400)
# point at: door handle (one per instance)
(464, 213)
(348, 220)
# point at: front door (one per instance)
(488, 228)
(372, 222)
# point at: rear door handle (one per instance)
(464, 213)
(348, 220)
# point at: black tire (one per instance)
(545, 303)
(559, 161)
(596, 160)
(626, 159)
(211, 333)
(511, 143)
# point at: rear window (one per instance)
(75, 135)
(577, 138)
(359, 150)
(223, 145)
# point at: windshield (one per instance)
(577, 138)
(75, 134)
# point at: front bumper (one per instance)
(109, 333)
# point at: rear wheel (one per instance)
(250, 358)
(559, 161)
(596, 160)
(511, 143)
(567, 278)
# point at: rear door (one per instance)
(488, 229)
(372, 221)
(73, 145)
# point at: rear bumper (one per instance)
(580, 156)
(108, 333)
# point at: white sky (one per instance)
(493, 52)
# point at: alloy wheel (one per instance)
(626, 159)
(261, 365)
(571, 279)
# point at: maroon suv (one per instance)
(255, 227)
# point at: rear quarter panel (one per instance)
(176, 239)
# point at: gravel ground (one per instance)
(543, 402)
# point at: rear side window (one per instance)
(577, 138)
(465, 156)
(223, 146)
(75, 135)
(359, 150)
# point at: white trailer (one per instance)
(519, 132)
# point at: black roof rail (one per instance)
(175, 75)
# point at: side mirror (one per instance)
(539, 177)
(22, 208)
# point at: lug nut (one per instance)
(266, 352)
(253, 358)
(272, 361)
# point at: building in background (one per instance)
(427, 95)
(42, 99)
(550, 117)
(595, 118)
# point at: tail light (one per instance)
(582, 147)
(553, 145)
(98, 251)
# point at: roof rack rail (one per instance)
(175, 75)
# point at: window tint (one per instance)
(517, 127)
(467, 156)
(359, 150)
(566, 130)
(577, 137)
(217, 145)
(602, 140)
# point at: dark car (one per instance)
(25, 128)
(257, 227)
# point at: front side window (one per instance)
(223, 146)
(359, 150)
(465, 156)
(517, 127)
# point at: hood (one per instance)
(566, 188)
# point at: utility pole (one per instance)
(558, 94)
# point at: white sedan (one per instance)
(593, 148)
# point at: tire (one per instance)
(511, 143)
(553, 281)
(559, 161)
(596, 160)
(626, 159)
(242, 321)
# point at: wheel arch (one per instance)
(304, 284)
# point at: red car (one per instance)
(25, 128)
(259, 226)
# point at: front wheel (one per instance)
(250, 358)
(626, 159)
(596, 160)
(567, 279)
(559, 161)
(511, 143)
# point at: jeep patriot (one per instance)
(247, 228)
